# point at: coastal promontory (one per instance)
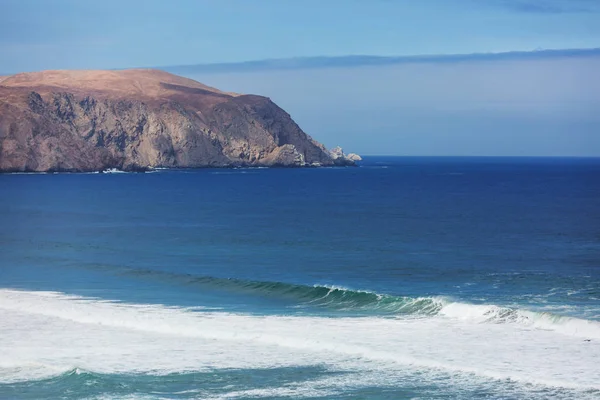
(78, 121)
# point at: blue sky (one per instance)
(43, 34)
(523, 105)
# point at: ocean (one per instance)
(403, 278)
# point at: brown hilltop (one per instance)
(131, 119)
(139, 83)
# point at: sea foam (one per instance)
(49, 332)
(565, 325)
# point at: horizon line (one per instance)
(476, 156)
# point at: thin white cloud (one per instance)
(551, 6)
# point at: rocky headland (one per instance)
(78, 121)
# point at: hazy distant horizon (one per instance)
(516, 104)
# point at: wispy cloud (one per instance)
(552, 6)
(365, 60)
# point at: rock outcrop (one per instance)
(139, 119)
(354, 157)
(340, 158)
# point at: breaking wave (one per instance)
(47, 334)
(342, 299)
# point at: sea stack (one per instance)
(341, 158)
(80, 121)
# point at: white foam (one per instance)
(475, 312)
(569, 326)
(48, 333)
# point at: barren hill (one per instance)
(137, 119)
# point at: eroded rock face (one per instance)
(137, 119)
(340, 158)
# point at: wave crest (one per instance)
(347, 300)
(333, 297)
(542, 320)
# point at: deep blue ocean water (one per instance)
(403, 278)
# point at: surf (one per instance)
(111, 337)
(369, 303)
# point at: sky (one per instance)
(526, 104)
(514, 107)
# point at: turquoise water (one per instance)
(404, 278)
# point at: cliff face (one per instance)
(136, 119)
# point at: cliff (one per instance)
(138, 119)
